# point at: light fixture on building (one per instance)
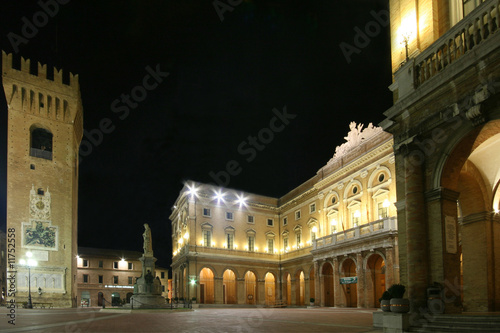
(357, 214)
(241, 200)
(192, 190)
(386, 203)
(186, 236)
(29, 263)
(180, 241)
(219, 196)
(123, 259)
(315, 229)
(213, 244)
(192, 282)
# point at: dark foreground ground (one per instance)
(199, 320)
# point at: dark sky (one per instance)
(224, 79)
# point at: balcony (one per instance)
(41, 153)
(369, 230)
(481, 25)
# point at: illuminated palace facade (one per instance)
(333, 238)
(446, 126)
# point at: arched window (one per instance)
(41, 143)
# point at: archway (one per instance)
(99, 298)
(128, 297)
(229, 287)
(349, 289)
(470, 239)
(300, 288)
(270, 286)
(115, 299)
(375, 280)
(207, 290)
(327, 279)
(250, 287)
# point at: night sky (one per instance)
(219, 75)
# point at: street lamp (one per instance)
(29, 263)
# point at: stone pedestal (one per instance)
(396, 322)
(147, 288)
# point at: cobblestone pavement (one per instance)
(205, 320)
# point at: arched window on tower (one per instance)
(41, 143)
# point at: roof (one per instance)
(109, 253)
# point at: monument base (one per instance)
(147, 302)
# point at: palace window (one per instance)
(270, 245)
(85, 278)
(101, 279)
(130, 280)
(85, 263)
(270, 222)
(101, 264)
(382, 210)
(207, 212)
(115, 264)
(297, 215)
(207, 238)
(312, 208)
(298, 238)
(250, 219)
(251, 243)
(162, 275)
(130, 266)
(115, 279)
(229, 216)
(285, 220)
(230, 240)
(285, 242)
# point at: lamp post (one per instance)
(29, 263)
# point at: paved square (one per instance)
(198, 320)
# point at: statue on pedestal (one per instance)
(147, 289)
(148, 243)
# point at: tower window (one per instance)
(32, 166)
(40, 192)
(41, 143)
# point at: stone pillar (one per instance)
(337, 289)
(390, 270)
(240, 291)
(293, 287)
(307, 291)
(261, 292)
(360, 271)
(444, 264)
(317, 286)
(478, 264)
(218, 290)
(416, 229)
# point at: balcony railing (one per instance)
(476, 27)
(35, 152)
(363, 231)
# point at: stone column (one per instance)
(360, 271)
(307, 291)
(218, 290)
(261, 292)
(240, 291)
(337, 289)
(389, 267)
(416, 229)
(444, 264)
(293, 293)
(317, 286)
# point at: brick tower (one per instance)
(45, 125)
